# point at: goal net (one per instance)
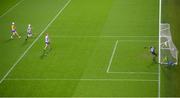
(168, 51)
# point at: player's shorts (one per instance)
(47, 43)
(29, 34)
(13, 31)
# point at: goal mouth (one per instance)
(168, 52)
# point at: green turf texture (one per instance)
(82, 41)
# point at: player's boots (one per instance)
(11, 37)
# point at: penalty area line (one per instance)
(25, 52)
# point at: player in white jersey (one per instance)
(154, 54)
(29, 31)
(46, 41)
(152, 51)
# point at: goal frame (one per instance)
(166, 30)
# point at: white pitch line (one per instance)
(110, 61)
(36, 79)
(135, 72)
(60, 11)
(10, 9)
(159, 67)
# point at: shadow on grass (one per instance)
(7, 41)
(153, 63)
(45, 53)
(26, 40)
(25, 43)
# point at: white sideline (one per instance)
(38, 79)
(113, 52)
(60, 11)
(10, 9)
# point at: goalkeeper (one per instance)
(152, 51)
(154, 54)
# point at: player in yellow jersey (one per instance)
(14, 32)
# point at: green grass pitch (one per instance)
(97, 48)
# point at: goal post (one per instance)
(168, 51)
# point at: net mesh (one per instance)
(168, 51)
